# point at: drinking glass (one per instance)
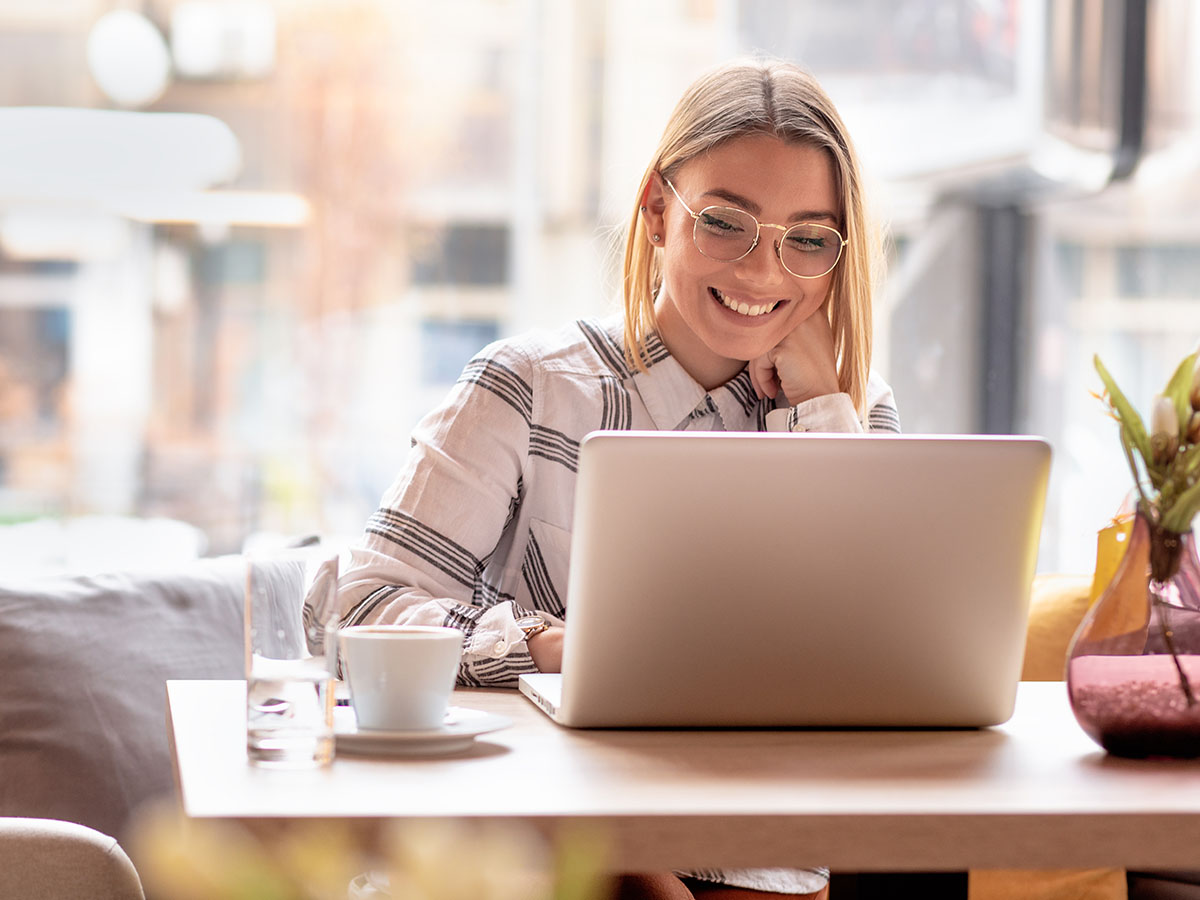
(291, 657)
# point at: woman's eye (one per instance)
(807, 243)
(717, 223)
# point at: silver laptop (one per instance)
(766, 580)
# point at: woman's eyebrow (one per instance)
(736, 199)
(804, 215)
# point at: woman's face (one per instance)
(697, 308)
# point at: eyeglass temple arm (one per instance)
(694, 215)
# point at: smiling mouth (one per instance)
(744, 309)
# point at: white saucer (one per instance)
(456, 734)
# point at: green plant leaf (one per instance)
(1131, 422)
(1191, 460)
(1179, 388)
(1129, 457)
(1157, 479)
(1183, 510)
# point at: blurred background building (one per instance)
(245, 244)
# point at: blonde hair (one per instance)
(780, 99)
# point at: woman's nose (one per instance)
(762, 264)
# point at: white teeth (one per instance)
(744, 308)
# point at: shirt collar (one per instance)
(671, 395)
(737, 403)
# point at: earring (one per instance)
(643, 209)
(654, 237)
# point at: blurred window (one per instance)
(463, 254)
(921, 37)
(448, 345)
(34, 358)
(1069, 261)
(233, 262)
(1159, 272)
(46, 267)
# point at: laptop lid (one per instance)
(722, 579)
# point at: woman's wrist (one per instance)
(545, 649)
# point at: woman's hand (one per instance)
(546, 649)
(803, 365)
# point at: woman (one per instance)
(747, 307)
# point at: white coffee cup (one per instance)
(400, 676)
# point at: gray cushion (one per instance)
(83, 666)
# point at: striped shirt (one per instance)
(476, 530)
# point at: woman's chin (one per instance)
(742, 344)
(739, 351)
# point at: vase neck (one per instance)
(1167, 549)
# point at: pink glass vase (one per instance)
(1133, 672)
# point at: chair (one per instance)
(45, 859)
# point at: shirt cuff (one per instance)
(497, 635)
(833, 413)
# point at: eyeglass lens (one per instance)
(728, 234)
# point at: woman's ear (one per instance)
(653, 206)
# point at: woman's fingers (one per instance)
(763, 376)
(805, 360)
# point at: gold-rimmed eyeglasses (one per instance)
(726, 234)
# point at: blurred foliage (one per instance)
(187, 859)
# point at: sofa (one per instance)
(83, 665)
(84, 658)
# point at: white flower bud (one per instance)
(1164, 430)
(1163, 419)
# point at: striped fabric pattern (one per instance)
(884, 418)
(503, 382)
(426, 543)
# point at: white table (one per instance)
(1033, 793)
